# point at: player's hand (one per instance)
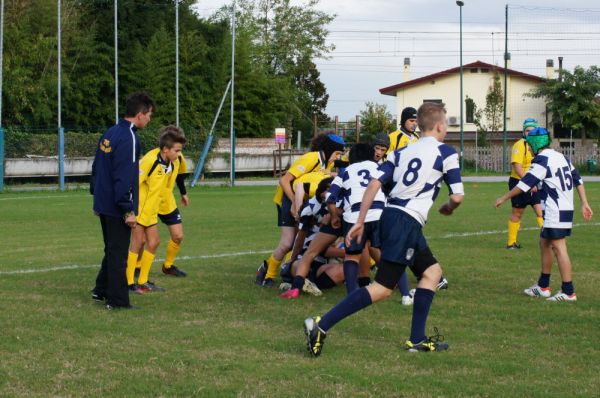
(446, 209)
(499, 202)
(355, 232)
(185, 200)
(587, 212)
(131, 221)
(534, 189)
(335, 221)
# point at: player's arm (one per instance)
(453, 180)
(298, 244)
(535, 174)
(123, 179)
(516, 160)
(180, 181)
(335, 192)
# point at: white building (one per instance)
(444, 86)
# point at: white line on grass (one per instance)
(237, 254)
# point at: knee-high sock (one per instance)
(421, 306)
(172, 250)
(350, 275)
(272, 267)
(130, 271)
(403, 285)
(355, 301)
(540, 221)
(147, 259)
(513, 231)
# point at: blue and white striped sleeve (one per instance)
(385, 171)
(336, 189)
(451, 170)
(536, 173)
(577, 180)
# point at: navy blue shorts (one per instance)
(284, 215)
(401, 237)
(524, 199)
(172, 218)
(328, 229)
(371, 234)
(555, 233)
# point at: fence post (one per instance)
(1, 159)
(61, 158)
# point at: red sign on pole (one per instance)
(280, 136)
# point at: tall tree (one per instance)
(574, 99)
(374, 119)
(489, 118)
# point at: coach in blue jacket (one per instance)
(115, 187)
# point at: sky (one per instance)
(372, 38)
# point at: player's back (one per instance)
(354, 182)
(418, 172)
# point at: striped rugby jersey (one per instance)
(350, 187)
(412, 176)
(557, 178)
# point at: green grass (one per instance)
(216, 334)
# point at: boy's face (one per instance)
(442, 129)
(380, 152)
(171, 154)
(142, 119)
(411, 125)
(527, 130)
(335, 156)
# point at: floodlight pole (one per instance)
(116, 34)
(61, 130)
(177, 63)
(506, 58)
(460, 5)
(1, 77)
(231, 130)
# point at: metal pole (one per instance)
(462, 132)
(177, 63)
(231, 131)
(61, 131)
(116, 34)
(506, 56)
(1, 77)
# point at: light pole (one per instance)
(460, 5)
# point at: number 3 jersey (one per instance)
(412, 176)
(350, 187)
(558, 178)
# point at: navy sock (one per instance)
(298, 282)
(421, 306)
(544, 280)
(350, 275)
(567, 288)
(403, 285)
(364, 281)
(355, 301)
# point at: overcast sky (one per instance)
(373, 37)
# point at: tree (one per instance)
(573, 99)
(374, 119)
(489, 118)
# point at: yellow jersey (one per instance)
(154, 175)
(521, 154)
(400, 139)
(307, 163)
(168, 204)
(311, 182)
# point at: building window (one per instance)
(470, 110)
(435, 101)
(485, 70)
(474, 70)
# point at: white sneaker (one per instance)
(536, 291)
(560, 296)
(311, 288)
(443, 284)
(412, 292)
(284, 286)
(407, 300)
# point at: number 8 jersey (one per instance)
(413, 175)
(558, 179)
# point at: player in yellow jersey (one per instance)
(407, 132)
(325, 149)
(170, 216)
(520, 162)
(155, 169)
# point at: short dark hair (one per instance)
(170, 135)
(139, 102)
(361, 152)
(322, 187)
(429, 114)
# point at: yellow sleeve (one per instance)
(393, 141)
(305, 164)
(182, 165)
(146, 164)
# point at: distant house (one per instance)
(444, 87)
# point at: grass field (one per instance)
(214, 333)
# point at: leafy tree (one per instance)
(374, 119)
(574, 99)
(489, 119)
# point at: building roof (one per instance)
(391, 90)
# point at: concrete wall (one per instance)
(475, 86)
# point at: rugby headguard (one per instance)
(529, 123)
(332, 144)
(382, 139)
(538, 138)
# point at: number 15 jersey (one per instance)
(412, 176)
